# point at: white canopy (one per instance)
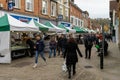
(16, 25)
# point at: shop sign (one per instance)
(60, 17)
(66, 24)
(23, 18)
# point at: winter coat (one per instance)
(40, 45)
(88, 42)
(63, 42)
(30, 43)
(71, 53)
(53, 44)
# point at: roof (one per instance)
(75, 5)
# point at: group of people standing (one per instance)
(67, 47)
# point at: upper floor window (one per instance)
(17, 3)
(53, 9)
(29, 5)
(61, 10)
(71, 20)
(44, 6)
(66, 12)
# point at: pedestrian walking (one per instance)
(59, 45)
(88, 46)
(31, 45)
(63, 43)
(39, 49)
(53, 46)
(71, 55)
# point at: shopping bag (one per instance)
(64, 67)
(97, 46)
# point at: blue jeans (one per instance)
(37, 55)
(52, 51)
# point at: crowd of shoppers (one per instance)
(66, 46)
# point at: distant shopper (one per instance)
(39, 49)
(53, 46)
(63, 43)
(105, 47)
(88, 46)
(59, 45)
(71, 55)
(31, 45)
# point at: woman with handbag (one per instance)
(71, 55)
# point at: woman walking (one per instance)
(39, 49)
(71, 55)
(53, 46)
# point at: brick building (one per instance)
(42, 10)
(75, 15)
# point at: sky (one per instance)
(96, 8)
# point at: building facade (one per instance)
(45, 10)
(76, 15)
(114, 21)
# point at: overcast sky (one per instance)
(96, 8)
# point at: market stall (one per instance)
(58, 30)
(68, 30)
(9, 29)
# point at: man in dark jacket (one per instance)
(63, 43)
(31, 45)
(88, 42)
(71, 55)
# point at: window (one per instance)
(79, 23)
(61, 10)
(75, 21)
(66, 12)
(29, 5)
(44, 7)
(71, 20)
(53, 9)
(17, 3)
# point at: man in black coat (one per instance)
(71, 55)
(88, 42)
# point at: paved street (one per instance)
(21, 69)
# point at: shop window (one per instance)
(53, 9)
(29, 5)
(17, 3)
(44, 6)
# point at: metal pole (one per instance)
(102, 50)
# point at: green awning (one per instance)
(4, 24)
(63, 27)
(41, 27)
(78, 30)
(58, 30)
(49, 24)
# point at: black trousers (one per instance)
(69, 67)
(88, 52)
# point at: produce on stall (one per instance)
(8, 24)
